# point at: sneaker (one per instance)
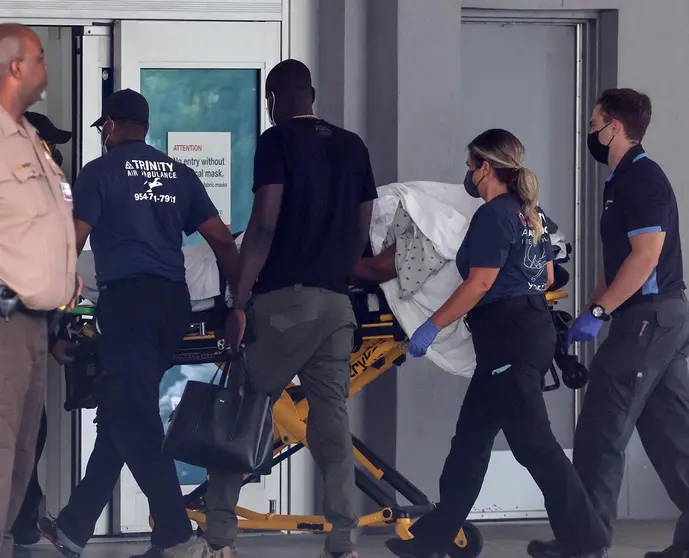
(328, 554)
(49, 529)
(544, 549)
(178, 551)
(410, 549)
(673, 551)
(201, 549)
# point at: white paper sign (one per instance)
(208, 154)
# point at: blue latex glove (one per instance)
(584, 328)
(423, 338)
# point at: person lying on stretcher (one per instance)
(415, 230)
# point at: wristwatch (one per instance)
(238, 306)
(599, 312)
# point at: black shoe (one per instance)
(177, 551)
(551, 549)
(48, 528)
(544, 549)
(151, 552)
(673, 551)
(26, 537)
(410, 549)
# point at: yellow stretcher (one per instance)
(380, 345)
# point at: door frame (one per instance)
(137, 46)
(585, 244)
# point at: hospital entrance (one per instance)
(203, 75)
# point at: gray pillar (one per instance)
(428, 84)
(342, 100)
(428, 148)
(389, 70)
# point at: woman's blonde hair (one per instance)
(505, 154)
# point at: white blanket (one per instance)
(441, 213)
(203, 275)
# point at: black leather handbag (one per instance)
(225, 426)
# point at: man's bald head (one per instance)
(23, 72)
(289, 90)
(289, 75)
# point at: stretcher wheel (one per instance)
(473, 546)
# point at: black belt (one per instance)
(676, 294)
(11, 303)
(33, 313)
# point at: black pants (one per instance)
(142, 320)
(639, 378)
(28, 514)
(515, 344)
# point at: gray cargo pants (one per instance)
(305, 332)
(23, 369)
(639, 377)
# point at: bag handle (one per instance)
(241, 373)
(224, 376)
(243, 381)
(225, 369)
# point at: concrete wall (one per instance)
(407, 112)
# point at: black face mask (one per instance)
(598, 151)
(469, 186)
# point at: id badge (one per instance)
(66, 191)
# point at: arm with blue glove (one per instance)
(586, 326)
(633, 273)
(467, 295)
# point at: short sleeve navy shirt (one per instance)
(139, 201)
(499, 237)
(638, 199)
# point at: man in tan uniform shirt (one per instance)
(37, 262)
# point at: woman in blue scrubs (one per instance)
(506, 265)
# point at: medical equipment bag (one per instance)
(224, 426)
(83, 378)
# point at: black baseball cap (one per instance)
(46, 129)
(126, 104)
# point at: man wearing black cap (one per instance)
(25, 530)
(136, 202)
(49, 133)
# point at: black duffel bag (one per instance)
(225, 426)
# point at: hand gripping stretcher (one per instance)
(379, 345)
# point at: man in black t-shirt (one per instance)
(314, 192)
(639, 376)
(135, 202)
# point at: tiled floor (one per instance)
(632, 540)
